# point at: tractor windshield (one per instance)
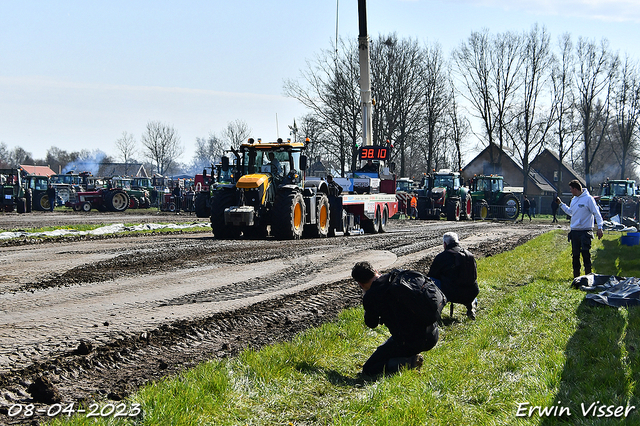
(620, 189)
(443, 180)
(497, 185)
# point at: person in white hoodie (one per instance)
(583, 210)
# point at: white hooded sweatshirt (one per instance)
(582, 210)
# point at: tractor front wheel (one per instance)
(453, 210)
(321, 228)
(288, 216)
(223, 199)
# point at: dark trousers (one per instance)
(580, 245)
(393, 354)
(457, 294)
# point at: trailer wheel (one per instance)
(453, 210)
(86, 206)
(288, 216)
(384, 219)
(372, 226)
(222, 199)
(321, 228)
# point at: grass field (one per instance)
(536, 343)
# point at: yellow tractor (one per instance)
(269, 194)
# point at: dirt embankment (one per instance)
(108, 316)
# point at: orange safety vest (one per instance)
(414, 202)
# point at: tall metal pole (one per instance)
(365, 74)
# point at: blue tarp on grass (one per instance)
(612, 290)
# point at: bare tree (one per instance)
(563, 101)
(627, 114)
(162, 145)
(458, 128)
(329, 88)
(126, 148)
(236, 132)
(532, 122)
(595, 71)
(209, 150)
(436, 85)
(472, 60)
(506, 63)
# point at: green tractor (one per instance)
(444, 195)
(491, 201)
(36, 190)
(11, 191)
(139, 198)
(617, 195)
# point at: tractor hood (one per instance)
(253, 181)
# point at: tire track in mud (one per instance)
(115, 365)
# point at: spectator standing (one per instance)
(526, 205)
(554, 210)
(51, 194)
(534, 205)
(583, 210)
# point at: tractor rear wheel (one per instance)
(288, 216)
(116, 200)
(223, 199)
(466, 207)
(511, 206)
(321, 228)
(42, 202)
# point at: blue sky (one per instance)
(76, 74)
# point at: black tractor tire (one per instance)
(116, 200)
(372, 226)
(288, 216)
(21, 205)
(29, 198)
(384, 219)
(145, 203)
(467, 208)
(41, 202)
(453, 210)
(222, 200)
(85, 207)
(512, 206)
(201, 205)
(321, 228)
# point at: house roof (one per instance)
(534, 176)
(37, 170)
(122, 169)
(569, 168)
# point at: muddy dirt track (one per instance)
(96, 318)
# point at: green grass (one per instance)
(535, 341)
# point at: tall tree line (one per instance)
(523, 91)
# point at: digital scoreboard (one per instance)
(375, 153)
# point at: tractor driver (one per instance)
(275, 164)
